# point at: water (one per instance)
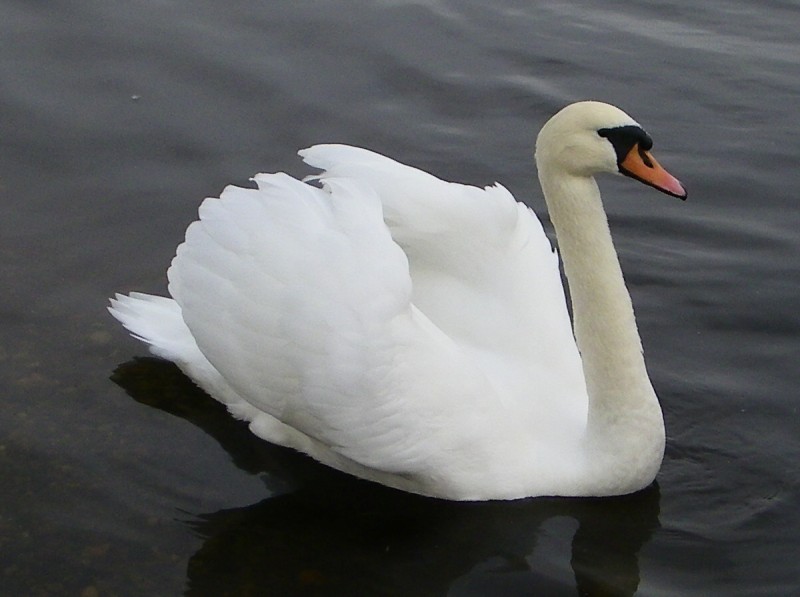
(118, 117)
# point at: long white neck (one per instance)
(624, 419)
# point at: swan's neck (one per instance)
(624, 414)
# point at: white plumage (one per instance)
(392, 325)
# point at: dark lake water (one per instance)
(117, 118)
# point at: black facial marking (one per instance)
(623, 138)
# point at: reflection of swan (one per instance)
(302, 544)
(432, 353)
(329, 534)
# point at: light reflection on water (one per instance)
(105, 493)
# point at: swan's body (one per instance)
(414, 332)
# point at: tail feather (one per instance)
(157, 321)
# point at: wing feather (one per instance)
(386, 316)
(301, 300)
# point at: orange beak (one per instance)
(642, 166)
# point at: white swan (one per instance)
(414, 332)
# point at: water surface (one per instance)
(117, 118)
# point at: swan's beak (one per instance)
(642, 166)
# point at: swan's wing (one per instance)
(483, 271)
(430, 218)
(300, 299)
(444, 331)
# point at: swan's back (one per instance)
(393, 325)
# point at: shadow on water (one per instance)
(326, 533)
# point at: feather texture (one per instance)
(408, 330)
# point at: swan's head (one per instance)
(587, 138)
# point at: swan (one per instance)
(414, 332)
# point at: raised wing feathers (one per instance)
(388, 315)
